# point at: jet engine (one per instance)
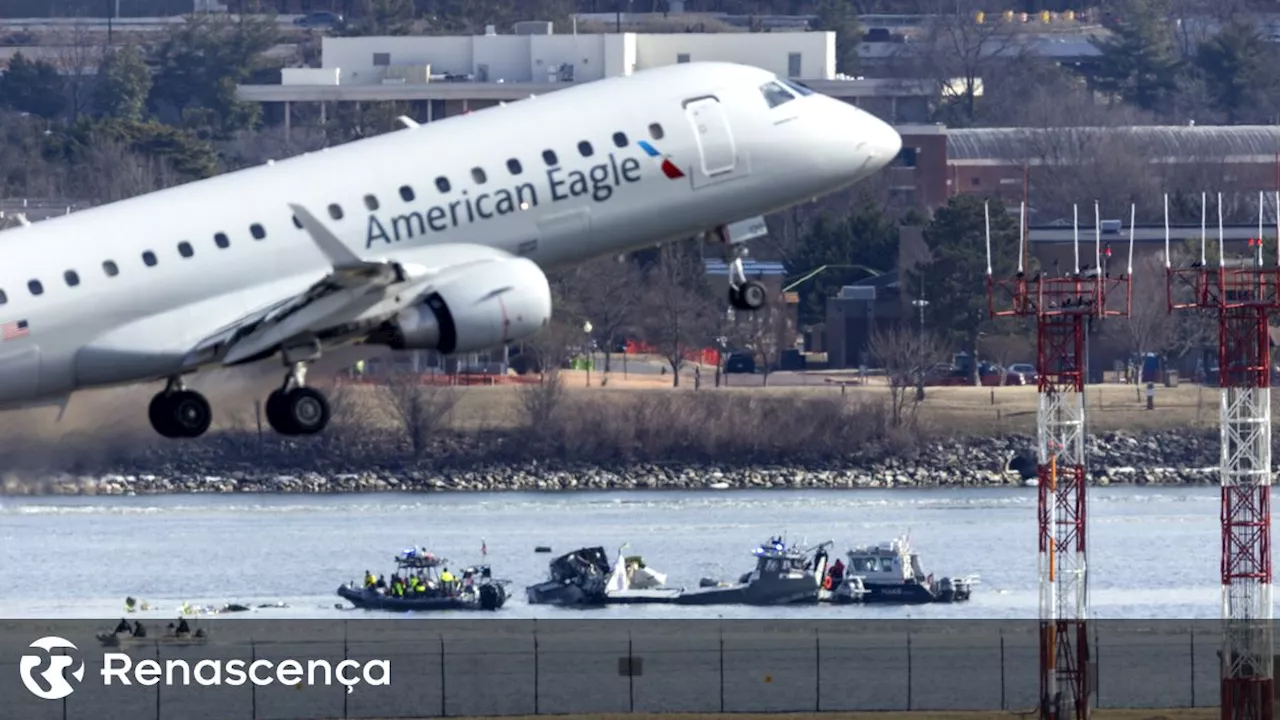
(476, 308)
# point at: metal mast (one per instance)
(1242, 293)
(1063, 308)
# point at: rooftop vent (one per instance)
(533, 27)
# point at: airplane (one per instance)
(432, 237)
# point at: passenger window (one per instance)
(35, 287)
(406, 193)
(371, 202)
(478, 175)
(149, 258)
(335, 211)
(549, 157)
(185, 249)
(110, 268)
(222, 240)
(513, 167)
(72, 278)
(296, 222)
(584, 147)
(257, 231)
(775, 94)
(442, 184)
(655, 131)
(620, 139)
(3, 298)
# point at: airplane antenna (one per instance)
(1168, 263)
(1133, 217)
(1222, 255)
(1204, 214)
(986, 211)
(1075, 230)
(1022, 232)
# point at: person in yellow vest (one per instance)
(360, 369)
(446, 581)
(369, 579)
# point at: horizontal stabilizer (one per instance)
(407, 121)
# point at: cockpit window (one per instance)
(775, 94)
(799, 88)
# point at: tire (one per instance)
(307, 409)
(160, 413)
(278, 416)
(753, 295)
(190, 413)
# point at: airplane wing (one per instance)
(354, 298)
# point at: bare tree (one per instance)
(906, 356)
(1007, 347)
(554, 344)
(607, 294)
(421, 409)
(957, 51)
(765, 333)
(542, 402)
(677, 313)
(79, 55)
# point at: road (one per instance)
(142, 24)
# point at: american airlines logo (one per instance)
(54, 682)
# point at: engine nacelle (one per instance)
(475, 309)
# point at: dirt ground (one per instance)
(1210, 713)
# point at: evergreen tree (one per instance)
(1140, 61)
(861, 244)
(32, 87)
(837, 16)
(1234, 64)
(954, 281)
(124, 81)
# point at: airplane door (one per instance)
(716, 148)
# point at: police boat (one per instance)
(890, 573)
(419, 585)
(782, 576)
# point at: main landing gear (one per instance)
(178, 412)
(294, 409)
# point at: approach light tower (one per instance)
(1243, 294)
(1064, 308)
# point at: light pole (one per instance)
(586, 328)
(922, 304)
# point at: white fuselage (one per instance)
(156, 274)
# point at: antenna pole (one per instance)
(1075, 232)
(1204, 217)
(1022, 234)
(986, 212)
(1133, 218)
(1168, 260)
(1222, 255)
(1097, 236)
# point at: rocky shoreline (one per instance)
(1187, 457)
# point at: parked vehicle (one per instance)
(319, 19)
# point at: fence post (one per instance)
(908, 670)
(535, 666)
(1095, 677)
(817, 670)
(1004, 699)
(346, 655)
(253, 687)
(443, 695)
(1193, 663)
(159, 684)
(631, 676)
(722, 668)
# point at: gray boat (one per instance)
(782, 576)
(890, 573)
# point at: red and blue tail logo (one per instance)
(668, 168)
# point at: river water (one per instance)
(1154, 552)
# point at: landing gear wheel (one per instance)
(160, 413)
(278, 415)
(750, 296)
(190, 413)
(308, 410)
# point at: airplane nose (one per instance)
(883, 141)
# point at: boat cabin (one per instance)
(890, 562)
(775, 559)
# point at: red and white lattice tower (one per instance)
(1243, 293)
(1064, 307)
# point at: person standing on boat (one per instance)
(369, 580)
(446, 582)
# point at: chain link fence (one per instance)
(494, 667)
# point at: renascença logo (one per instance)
(119, 668)
(55, 676)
